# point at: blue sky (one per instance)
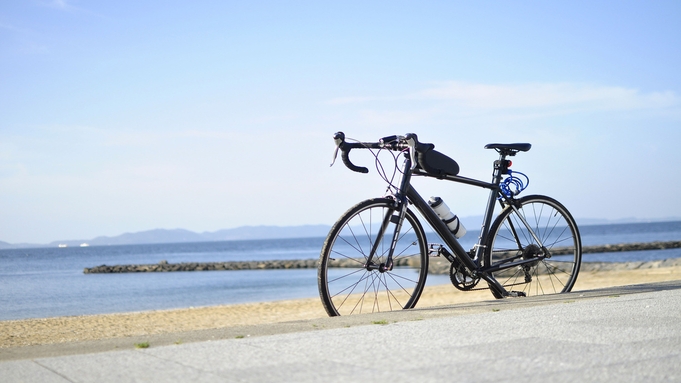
(133, 115)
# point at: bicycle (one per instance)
(375, 257)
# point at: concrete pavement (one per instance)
(624, 334)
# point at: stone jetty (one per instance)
(632, 247)
(437, 265)
(164, 266)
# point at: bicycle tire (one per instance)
(509, 240)
(347, 287)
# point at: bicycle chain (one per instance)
(487, 288)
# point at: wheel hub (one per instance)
(532, 251)
(382, 268)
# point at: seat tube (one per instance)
(489, 210)
(487, 222)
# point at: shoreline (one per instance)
(70, 329)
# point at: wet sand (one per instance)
(26, 332)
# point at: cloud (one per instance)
(66, 6)
(567, 97)
(8, 27)
(547, 95)
(61, 4)
(350, 100)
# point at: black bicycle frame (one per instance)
(406, 193)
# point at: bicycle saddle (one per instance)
(509, 148)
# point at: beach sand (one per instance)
(26, 332)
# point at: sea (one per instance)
(49, 282)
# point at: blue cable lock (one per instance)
(512, 186)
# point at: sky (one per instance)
(135, 115)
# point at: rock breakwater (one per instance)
(164, 266)
(659, 245)
(437, 265)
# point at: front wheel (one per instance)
(351, 284)
(551, 245)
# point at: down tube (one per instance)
(440, 228)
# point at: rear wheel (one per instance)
(350, 284)
(558, 253)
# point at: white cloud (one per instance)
(564, 96)
(67, 6)
(541, 95)
(8, 27)
(504, 106)
(350, 100)
(61, 4)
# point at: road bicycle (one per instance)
(375, 257)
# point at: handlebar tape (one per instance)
(345, 151)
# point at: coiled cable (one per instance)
(512, 186)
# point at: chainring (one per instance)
(460, 277)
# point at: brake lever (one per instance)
(411, 141)
(335, 155)
(338, 138)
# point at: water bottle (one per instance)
(451, 220)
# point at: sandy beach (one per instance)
(17, 333)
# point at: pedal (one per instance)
(515, 294)
(435, 249)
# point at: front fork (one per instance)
(395, 216)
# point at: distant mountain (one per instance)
(149, 236)
(182, 235)
(268, 232)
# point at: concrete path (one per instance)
(625, 334)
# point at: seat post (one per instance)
(500, 167)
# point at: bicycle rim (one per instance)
(347, 286)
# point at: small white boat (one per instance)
(84, 245)
(63, 245)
